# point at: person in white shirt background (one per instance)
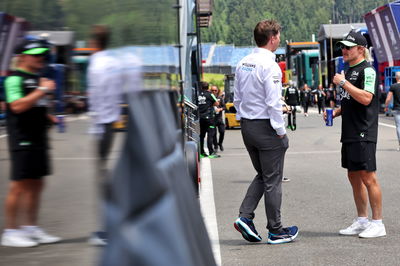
(105, 83)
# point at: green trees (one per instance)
(234, 20)
(154, 21)
(42, 14)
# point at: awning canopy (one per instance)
(58, 38)
(337, 31)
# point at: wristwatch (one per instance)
(342, 82)
(44, 89)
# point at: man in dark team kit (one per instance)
(394, 92)
(359, 110)
(206, 102)
(292, 99)
(27, 122)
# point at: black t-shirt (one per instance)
(306, 94)
(221, 104)
(360, 122)
(26, 130)
(320, 95)
(206, 101)
(292, 96)
(330, 93)
(395, 89)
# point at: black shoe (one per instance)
(221, 147)
(98, 238)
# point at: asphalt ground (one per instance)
(318, 199)
(69, 202)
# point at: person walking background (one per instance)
(105, 97)
(320, 99)
(206, 102)
(394, 92)
(219, 119)
(291, 98)
(359, 110)
(305, 98)
(258, 90)
(330, 96)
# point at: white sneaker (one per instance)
(373, 230)
(18, 239)
(354, 229)
(40, 236)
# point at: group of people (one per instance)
(257, 99)
(306, 97)
(211, 111)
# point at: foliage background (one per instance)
(154, 21)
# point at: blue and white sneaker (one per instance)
(287, 235)
(247, 229)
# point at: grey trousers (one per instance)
(267, 153)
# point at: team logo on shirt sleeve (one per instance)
(276, 79)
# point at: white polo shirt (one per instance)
(258, 89)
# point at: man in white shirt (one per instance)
(105, 84)
(257, 93)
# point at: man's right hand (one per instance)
(48, 83)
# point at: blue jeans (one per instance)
(396, 115)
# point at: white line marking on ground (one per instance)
(386, 125)
(207, 205)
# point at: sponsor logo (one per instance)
(344, 95)
(248, 67)
(202, 99)
(30, 83)
(350, 38)
(354, 75)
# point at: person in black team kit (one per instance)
(27, 125)
(330, 96)
(359, 110)
(219, 120)
(206, 102)
(292, 99)
(320, 98)
(394, 92)
(305, 98)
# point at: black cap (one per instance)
(31, 47)
(354, 38)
